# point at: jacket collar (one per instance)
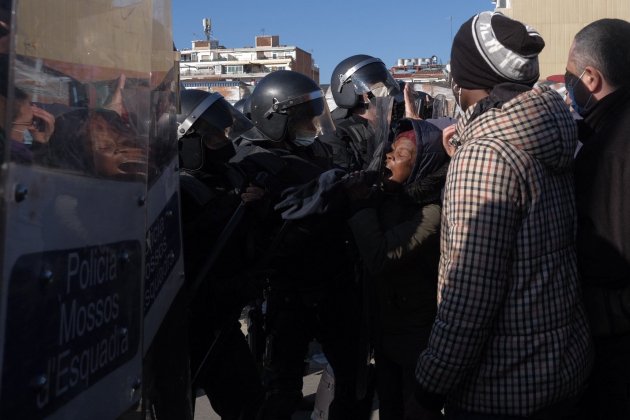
(606, 109)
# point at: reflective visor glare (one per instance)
(311, 108)
(240, 125)
(389, 86)
(380, 91)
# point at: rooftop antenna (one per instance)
(207, 27)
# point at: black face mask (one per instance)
(214, 160)
(582, 100)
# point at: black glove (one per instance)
(361, 191)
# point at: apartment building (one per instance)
(233, 72)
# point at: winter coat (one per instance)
(398, 243)
(603, 206)
(510, 336)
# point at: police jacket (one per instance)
(308, 254)
(208, 202)
(352, 143)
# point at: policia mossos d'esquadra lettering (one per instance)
(83, 186)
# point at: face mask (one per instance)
(304, 140)
(577, 92)
(221, 155)
(215, 159)
(27, 137)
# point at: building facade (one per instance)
(419, 70)
(234, 71)
(558, 21)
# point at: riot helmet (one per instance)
(361, 74)
(289, 106)
(206, 127)
(243, 105)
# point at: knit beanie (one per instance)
(491, 48)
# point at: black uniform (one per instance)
(216, 228)
(229, 375)
(310, 282)
(353, 142)
(312, 295)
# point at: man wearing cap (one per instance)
(597, 82)
(510, 338)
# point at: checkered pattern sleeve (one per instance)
(482, 214)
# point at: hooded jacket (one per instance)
(398, 242)
(510, 335)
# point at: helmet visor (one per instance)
(374, 83)
(213, 116)
(311, 119)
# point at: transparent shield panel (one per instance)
(5, 111)
(164, 268)
(75, 208)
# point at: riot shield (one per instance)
(380, 117)
(440, 106)
(164, 266)
(380, 113)
(166, 389)
(75, 205)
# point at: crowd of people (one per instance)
(479, 270)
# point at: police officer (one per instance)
(215, 225)
(355, 82)
(311, 291)
(243, 106)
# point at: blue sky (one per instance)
(331, 30)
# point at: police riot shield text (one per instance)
(90, 86)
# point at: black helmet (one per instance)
(206, 122)
(243, 105)
(357, 75)
(284, 101)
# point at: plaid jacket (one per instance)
(510, 336)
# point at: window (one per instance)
(233, 69)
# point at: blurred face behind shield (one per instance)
(116, 150)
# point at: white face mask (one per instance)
(306, 133)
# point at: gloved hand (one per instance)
(361, 191)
